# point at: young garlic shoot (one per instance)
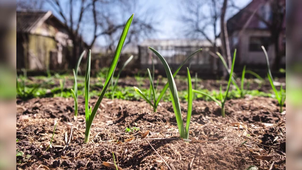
(154, 104)
(183, 131)
(74, 91)
(89, 111)
(279, 94)
(114, 83)
(241, 88)
(223, 98)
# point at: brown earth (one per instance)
(252, 133)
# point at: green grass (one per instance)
(24, 92)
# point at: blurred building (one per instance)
(248, 32)
(175, 51)
(42, 41)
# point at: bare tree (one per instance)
(29, 4)
(199, 18)
(203, 19)
(142, 26)
(96, 18)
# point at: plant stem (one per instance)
(222, 110)
(87, 132)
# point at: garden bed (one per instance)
(252, 134)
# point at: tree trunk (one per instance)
(278, 55)
(225, 47)
(75, 54)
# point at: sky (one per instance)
(169, 26)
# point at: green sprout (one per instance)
(114, 83)
(279, 94)
(53, 134)
(114, 162)
(240, 89)
(183, 131)
(223, 98)
(89, 112)
(156, 101)
(131, 129)
(75, 90)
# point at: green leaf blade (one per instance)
(119, 73)
(190, 103)
(109, 76)
(151, 85)
(87, 86)
(215, 100)
(175, 73)
(138, 91)
(174, 93)
(242, 81)
(230, 78)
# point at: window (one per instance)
(257, 42)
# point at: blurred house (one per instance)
(247, 33)
(42, 41)
(175, 51)
(102, 57)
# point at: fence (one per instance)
(201, 62)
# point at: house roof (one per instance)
(178, 42)
(245, 18)
(28, 20)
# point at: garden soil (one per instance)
(251, 134)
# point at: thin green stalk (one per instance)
(242, 82)
(137, 90)
(175, 73)
(228, 69)
(53, 134)
(190, 103)
(257, 76)
(223, 98)
(278, 94)
(211, 97)
(91, 114)
(196, 79)
(75, 90)
(229, 83)
(152, 88)
(114, 162)
(118, 75)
